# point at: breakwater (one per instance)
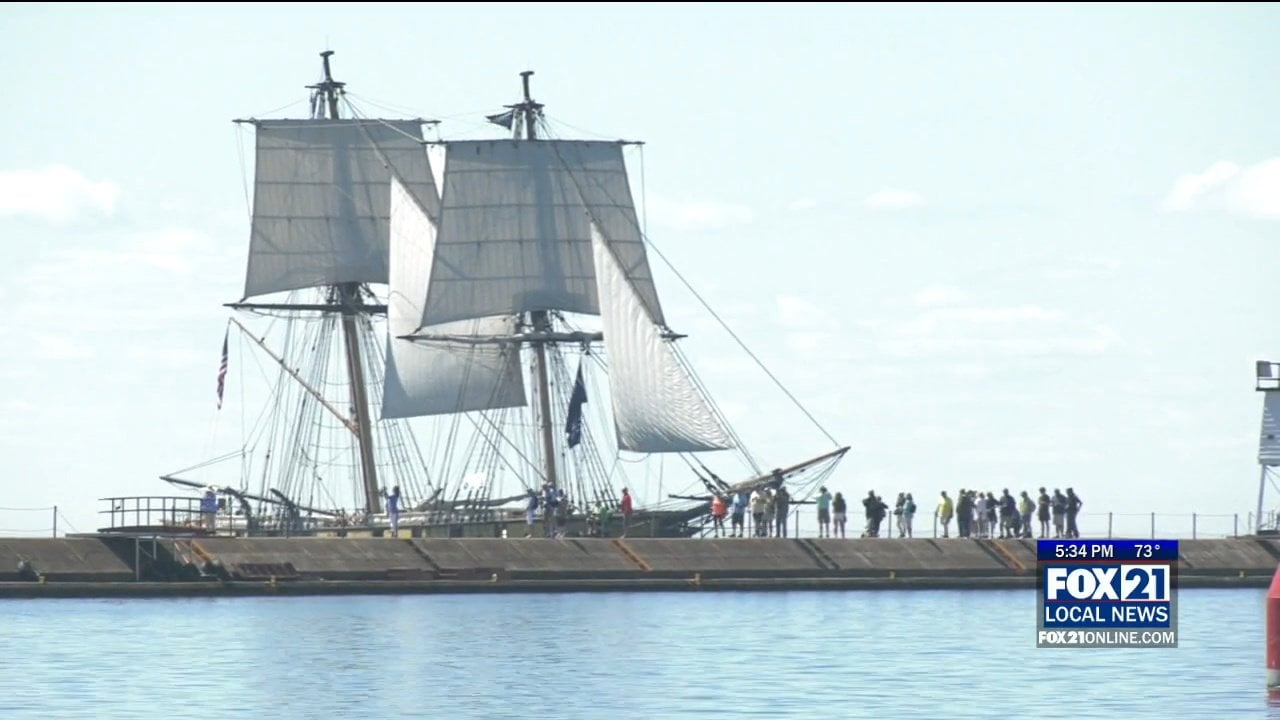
(122, 566)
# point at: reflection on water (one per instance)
(926, 654)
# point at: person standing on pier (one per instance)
(897, 514)
(759, 503)
(945, 510)
(1025, 507)
(781, 506)
(739, 521)
(717, 514)
(1059, 513)
(1074, 503)
(841, 511)
(768, 511)
(908, 515)
(824, 512)
(1042, 513)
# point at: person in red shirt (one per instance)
(717, 514)
(626, 511)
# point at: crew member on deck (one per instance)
(209, 509)
(393, 509)
(531, 513)
(626, 508)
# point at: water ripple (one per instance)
(644, 655)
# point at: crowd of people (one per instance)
(982, 515)
(977, 514)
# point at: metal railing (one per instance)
(803, 522)
(1191, 526)
(151, 511)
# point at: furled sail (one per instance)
(656, 406)
(320, 199)
(1269, 446)
(437, 378)
(514, 233)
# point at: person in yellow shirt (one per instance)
(1026, 506)
(946, 509)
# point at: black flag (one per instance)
(573, 423)
(504, 119)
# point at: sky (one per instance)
(991, 246)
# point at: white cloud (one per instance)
(56, 347)
(970, 371)
(961, 333)
(809, 326)
(698, 215)
(894, 199)
(57, 194)
(793, 310)
(16, 406)
(1256, 192)
(1087, 268)
(136, 281)
(806, 341)
(167, 249)
(1252, 191)
(940, 317)
(940, 296)
(802, 204)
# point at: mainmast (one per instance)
(348, 293)
(528, 112)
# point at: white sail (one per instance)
(514, 231)
(1269, 445)
(656, 406)
(437, 378)
(320, 199)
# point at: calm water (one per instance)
(817, 655)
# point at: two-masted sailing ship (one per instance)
(473, 322)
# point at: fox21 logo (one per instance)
(1116, 583)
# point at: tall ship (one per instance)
(461, 325)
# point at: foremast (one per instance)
(344, 298)
(348, 297)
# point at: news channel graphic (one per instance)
(1107, 593)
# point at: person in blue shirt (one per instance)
(209, 509)
(393, 509)
(531, 513)
(739, 515)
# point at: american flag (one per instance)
(222, 368)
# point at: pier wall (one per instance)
(62, 559)
(484, 564)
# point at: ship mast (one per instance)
(528, 112)
(326, 97)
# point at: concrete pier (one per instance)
(117, 566)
